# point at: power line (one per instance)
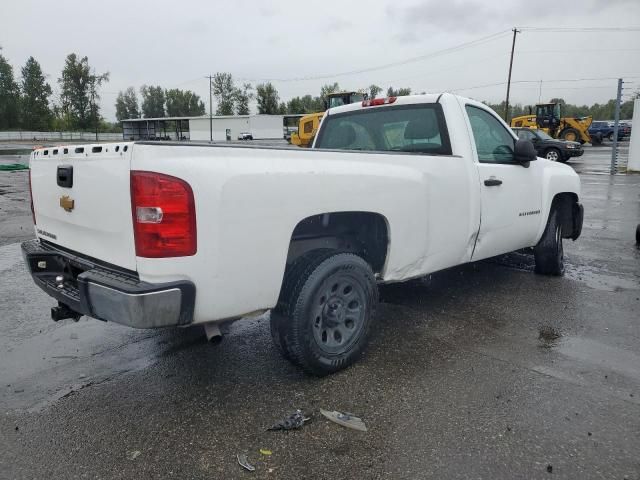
(559, 80)
(580, 29)
(406, 61)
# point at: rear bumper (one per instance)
(106, 292)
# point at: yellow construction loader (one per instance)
(308, 125)
(549, 119)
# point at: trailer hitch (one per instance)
(62, 312)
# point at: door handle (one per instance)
(492, 182)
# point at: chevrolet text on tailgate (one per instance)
(163, 234)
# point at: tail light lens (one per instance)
(33, 211)
(164, 215)
(378, 101)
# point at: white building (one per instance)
(261, 127)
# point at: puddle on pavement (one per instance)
(619, 360)
(600, 279)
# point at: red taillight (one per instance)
(164, 215)
(33, 211)
(378, 101)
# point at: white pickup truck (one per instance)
(159, 234)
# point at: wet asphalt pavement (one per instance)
(482, 371)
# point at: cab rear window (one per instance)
(402, 128)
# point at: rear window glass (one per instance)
(405, 128)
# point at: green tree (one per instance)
(127, 105)
(243, 96)
(34, 104)
(268, 98)
(374, 90)
(79, 92)
(328, 89)
(9, 96)
(183, 103)
(401, 92)
(152, 101)
(306, 104)
(225, 93)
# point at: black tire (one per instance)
(325, 311)
(610, 137)
(570, 134)
(549, 253)
(554, 155)
(596, 139)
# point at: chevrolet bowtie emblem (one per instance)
(67, 203)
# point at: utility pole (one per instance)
(210, 111)
(513, 47)
(614, 149)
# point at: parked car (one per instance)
(603, 130)
(158, 234)
(548, 147)
(625, 127)
(245, 136)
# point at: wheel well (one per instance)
(363, 233)
(563, 203)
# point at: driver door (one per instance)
(510, 194)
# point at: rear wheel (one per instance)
(553, 154)
(549, 253)
(324, 314)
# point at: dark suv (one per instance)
(549, 147)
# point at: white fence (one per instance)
(88, 136)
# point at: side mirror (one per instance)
(524, 152)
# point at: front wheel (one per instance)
(549, 253)
(570, 134)
(325, 311)
(553, 154)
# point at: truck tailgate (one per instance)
(82, 200)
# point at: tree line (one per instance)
(157, 102)
(26, 103)
(232, 99)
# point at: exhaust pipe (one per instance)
(213, 332)
(62, 312)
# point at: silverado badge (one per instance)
(67, 203)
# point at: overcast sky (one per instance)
(302, 45)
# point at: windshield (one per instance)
(414, 128)
(543, 135)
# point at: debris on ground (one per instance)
(548, 335)
(264, 451)
(549, 469)
(243, 461)
(132, 455)
(345, 419)
(291, 422)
